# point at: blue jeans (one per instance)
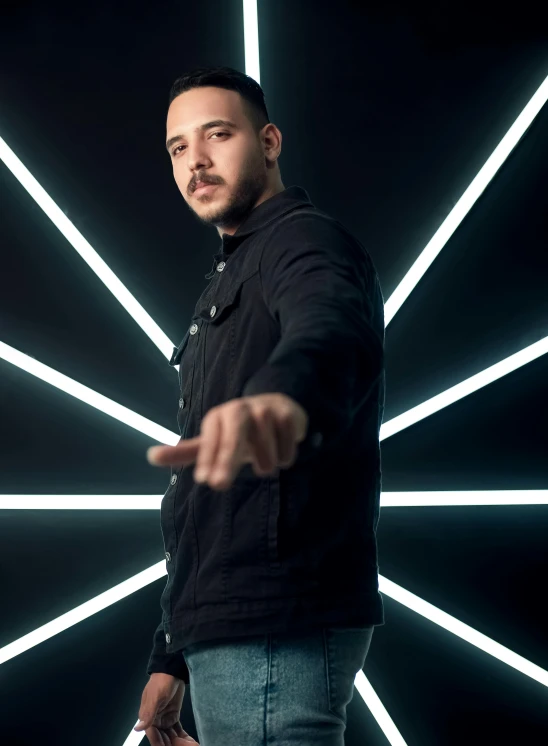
(290, 689)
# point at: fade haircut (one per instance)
(232, 80)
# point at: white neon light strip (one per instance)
(251, 40)
(86, 251)
(80, 502)
(492, 497)
(378, 710)
(478, 381)
(388, 500)
(462, 630)
(85, 610)
(85, 394)
(465, 203)
(134, 738)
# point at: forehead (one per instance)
(192, 108)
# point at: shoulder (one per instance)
(311, 230)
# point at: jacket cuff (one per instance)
(173, 664)
(267, 381)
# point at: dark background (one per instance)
(401, 104)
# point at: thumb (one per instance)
(147, 713)
(144, 722)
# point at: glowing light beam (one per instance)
(453, 394)
(80, 502)
(388, 500)
(466, 202)
(443, 499)
(462, 630)
(134, 738)
(86, 251)
(85, 610)
(251, 40)
(87, 395)
(378, 710)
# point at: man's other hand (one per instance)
(160, 711)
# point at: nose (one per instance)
(197, 160)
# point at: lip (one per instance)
(205, 188)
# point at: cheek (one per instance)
(180, 180)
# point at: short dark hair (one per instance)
(233, 80)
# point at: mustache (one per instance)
(193, 184)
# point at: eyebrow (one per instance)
(202, 128)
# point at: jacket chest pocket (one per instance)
(222, 300)
(215, 310)
(212, 310)
(222, 319)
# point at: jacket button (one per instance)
(182, 403)
(173, 479)
(194, 328)
(221, 266)
(213, 311)
(168, 556)
(168, 638)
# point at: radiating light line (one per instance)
(378, 710)
(465, 203)
(453, 394)
(80, 502)
(134, 737)
(86, 251)
(488, 497)
(87, 395)
(388, 500)
(462, 630)
(251, 40)
(85, 610)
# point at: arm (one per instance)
(320, 285)
(162, 662)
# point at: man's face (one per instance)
(228, 158)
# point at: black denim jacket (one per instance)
(293, 306)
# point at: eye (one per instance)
(174, 151)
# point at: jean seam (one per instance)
(267, 686)
(327, 662)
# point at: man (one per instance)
(269, 520)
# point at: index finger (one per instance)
(183, 453)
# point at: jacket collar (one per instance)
(269, 210)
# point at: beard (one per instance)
(248, 190)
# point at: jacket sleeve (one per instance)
(320, 285)
(162, 662)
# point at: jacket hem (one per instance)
(226, 621)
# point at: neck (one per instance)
(269, 192)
